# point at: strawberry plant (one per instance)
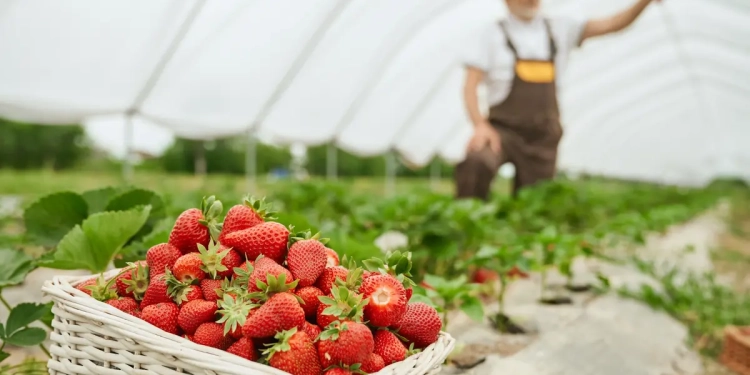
(454, 294)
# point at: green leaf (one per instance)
(27, 337)
(97, 199)
(14, 266)
(2, 331)
(92, 245)
(3, 355)
(422, 298)
(373, 264)
(51, 217)
(140, 197)
(472, 306)
(24, 314)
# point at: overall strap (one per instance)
(504, 29)
(552, 44)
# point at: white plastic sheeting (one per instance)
(666, 100)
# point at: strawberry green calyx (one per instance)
(396, 264)
(138, 282)
(345, 304)
(411, 350)
(282, 344)
(274, 285)
(331, 333)
(176, 289)
(212, 258)
(233, 312)
(264, 209)
(353, 278)
(242, 277)
(306, 235)
(212, 209)
(103, 290)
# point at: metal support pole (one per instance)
(390, 174)
(251, 166)
(127, 164)
(331, 161)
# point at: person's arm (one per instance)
(473, 77)
(614, 23)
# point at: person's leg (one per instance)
(475, 174)
(532, 172)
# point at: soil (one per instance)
(508, 326)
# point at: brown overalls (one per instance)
(529, 125)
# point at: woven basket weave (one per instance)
(93, 338)
(736, 351)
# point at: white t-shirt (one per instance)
(492, 54)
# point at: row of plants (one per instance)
(452, 243)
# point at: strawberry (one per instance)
(246, 215)
(181, 292)
(396, 264)
(332, 259)
(312, 330)
(387, 300)
(306, 258)
(389, 347)
(294, 353)
(483, 275)
(516, 272)
(212, 260)
(196, 226)
(244, 348)
(420, 324)
(211, 289)
(280, 312)
(409, 292)
(188, 268)
(156, 291)
(194, 313)
(268, 238)
(229, 259)
(338, 371)
(212, 334)
(343, 304)
(125, 304)
(160, 258)
(345, 343)
(85, 285)
(373, 363)
(327, 279)
(264, 267)
(134, 281)
(163, 315)
(309, 295)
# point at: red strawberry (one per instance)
(160, 258)
(156, 291)
(194, 313)
(389, 347)
(268, 238)
(420, 324)
(246, 215)
(181, 292)
(264, 267)
(484, 275)
(516, 272)
(212, 334)
(409, 293)
(244, 348)
(84, 286)
(306, 259)
(188, 268)
(327, 279)
(309, 295)
(196, 226)
(342, 304)
(387, 300)
(281, 312)
(332, 259)
(312, 330)
(373, 363)
(229, 259)
(211, 289)
(345, 343)
(125, 304)
(338, 371)
(162, 315)
(294, 353)
(133, 280)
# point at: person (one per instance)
(520, 58)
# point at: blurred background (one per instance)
(350, 115)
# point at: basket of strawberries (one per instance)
(244, 296)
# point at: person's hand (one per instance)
(485, 134)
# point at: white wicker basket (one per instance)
(93, 338)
